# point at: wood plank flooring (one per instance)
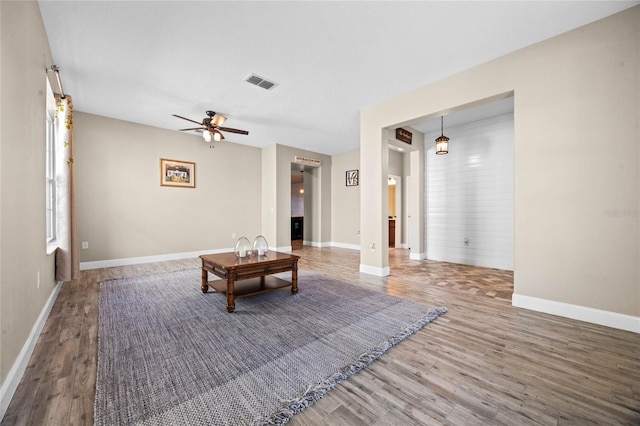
(483, 363)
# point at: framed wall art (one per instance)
(177, 173)
(352, 177)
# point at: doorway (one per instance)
(297, 206)
(394, 184)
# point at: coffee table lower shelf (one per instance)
(251, 286)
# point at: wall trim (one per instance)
(19, 366)
(315, 244)
(417, 256)
(346, 246)
(192, 254)
(581, 313)
(149, 259)
(374, 270)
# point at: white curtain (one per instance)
(67, 256)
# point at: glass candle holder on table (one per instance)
(243, 248)
(260, 246)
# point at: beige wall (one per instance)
(374, 169)
(415, 197)
(269, 194)
(123, 212)
(396, 166)
(345, 215)
(24, 56)
(574, 95)
(312, 209)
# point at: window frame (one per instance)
(51, 205)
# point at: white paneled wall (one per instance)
(469, 194)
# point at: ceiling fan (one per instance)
(211, 126)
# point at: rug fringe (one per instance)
(315, 392)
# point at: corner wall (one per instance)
(345, 215)
(124, 213)
(24, 56)
(577, 227)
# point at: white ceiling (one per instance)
(143, 61)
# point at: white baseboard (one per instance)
(284, 249)
(381, 272)
(581, 313)
(417, 256)
(346, 246)
(192, 254)
(149, 259)
(374, 270)
(316, 244)
(17, 370)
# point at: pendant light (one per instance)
(442, 142)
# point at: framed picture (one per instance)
(177, 173)
(352, 178)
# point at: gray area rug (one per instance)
(169, 354)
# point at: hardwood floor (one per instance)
(484, 362)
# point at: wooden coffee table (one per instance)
(252, 271)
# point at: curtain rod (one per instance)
(56, 70)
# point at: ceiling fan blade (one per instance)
(218, 119)
(188, 119)
(229, 129)
(193, 128)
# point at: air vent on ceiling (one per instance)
(260, 82)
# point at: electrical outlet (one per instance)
(233, 235)
(85, 245)
(372, 246)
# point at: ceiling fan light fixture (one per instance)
(218, 120)
(210, 127)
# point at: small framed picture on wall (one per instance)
(177, 173)
(352, 177)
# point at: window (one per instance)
(50, 149)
